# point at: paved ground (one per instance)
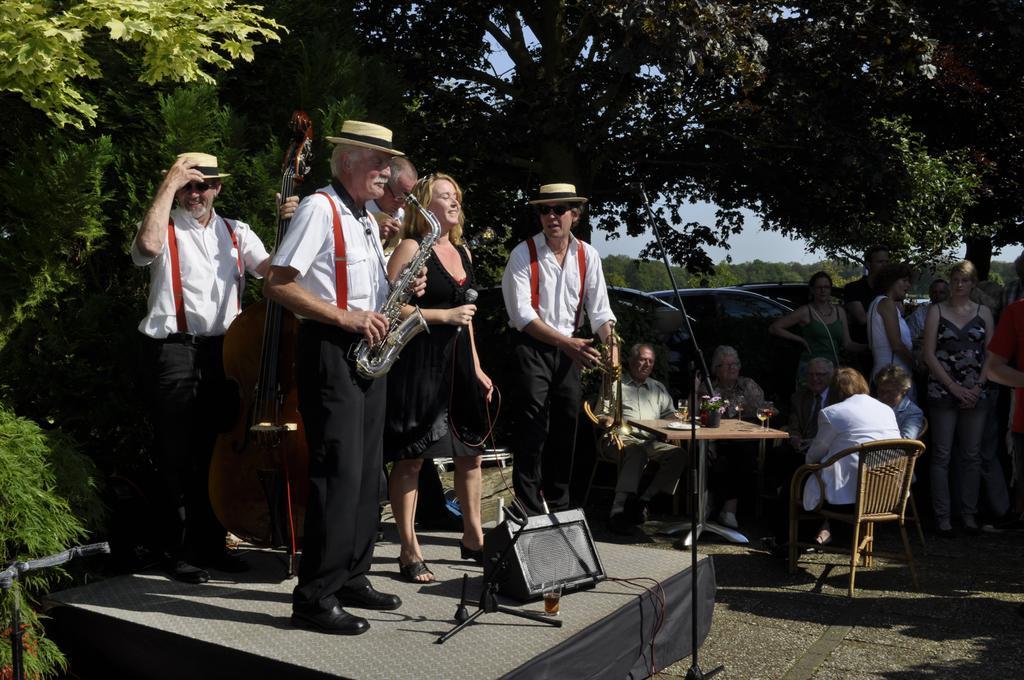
(963, 622)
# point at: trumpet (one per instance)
(606, 411)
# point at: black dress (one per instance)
(434, 376)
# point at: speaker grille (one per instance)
(555, 548)
(556, 554)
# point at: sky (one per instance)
(751, 244)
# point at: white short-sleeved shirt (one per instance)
(308, 248)
(210, 280)
(559, 287)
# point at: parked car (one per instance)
(791, 294)
(740, 318)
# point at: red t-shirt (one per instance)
(1008, 342)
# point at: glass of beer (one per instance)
(552, 598)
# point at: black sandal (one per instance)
(418, 568)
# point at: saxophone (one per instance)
(608, 402)
(376, 360)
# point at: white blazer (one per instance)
(857, 420)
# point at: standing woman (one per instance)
(888, 333)
(822, 327)
(437, 388)
(955, 334)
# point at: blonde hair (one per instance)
(414, 225)
(965, 267)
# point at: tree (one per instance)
(45, 47)
(881, 121)
(597, 93)
(976, 103)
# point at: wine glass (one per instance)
(739, 402)
(683, 410)
(764, 413)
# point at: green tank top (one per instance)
(825, 340)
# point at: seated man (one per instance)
(804, 407)
(807, 402)
(893, 385)
(643, 398)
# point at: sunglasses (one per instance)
(557, 209)
(198, 186)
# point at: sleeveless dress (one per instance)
(433, 371)
(961, 351)
(825, 339)
(880, 347)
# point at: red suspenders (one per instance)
(340, 261)
(179, 298)
(581, 259)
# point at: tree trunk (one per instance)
(979, 252)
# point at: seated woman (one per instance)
(821, 327)
(893, 384)
(851, 418)
(732, 459)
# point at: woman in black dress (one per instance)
(437, 390)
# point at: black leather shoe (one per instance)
(470, 554)
(365, 597)
(618, 524)
(635, 510)
(180, 570)
(335, 620)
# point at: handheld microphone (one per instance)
(468, 298)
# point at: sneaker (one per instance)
(728, 519)
(970, 525)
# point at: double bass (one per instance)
(259, 470)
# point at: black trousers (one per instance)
(546, 404)
(191, 401)
(344, 418)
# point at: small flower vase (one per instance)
(714, 418)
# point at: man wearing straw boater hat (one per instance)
(329, 270)
(197, 263)
(550, 280)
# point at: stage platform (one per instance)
(148, 626)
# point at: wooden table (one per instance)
(730, 429)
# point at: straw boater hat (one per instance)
(558, 193)
(358, 133)
(205, 163)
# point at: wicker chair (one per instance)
(912, 515)
(884, 472)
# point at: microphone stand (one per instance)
(488, 602)
(697, 481)
(14, 572)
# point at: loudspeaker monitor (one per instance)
(555, 548)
